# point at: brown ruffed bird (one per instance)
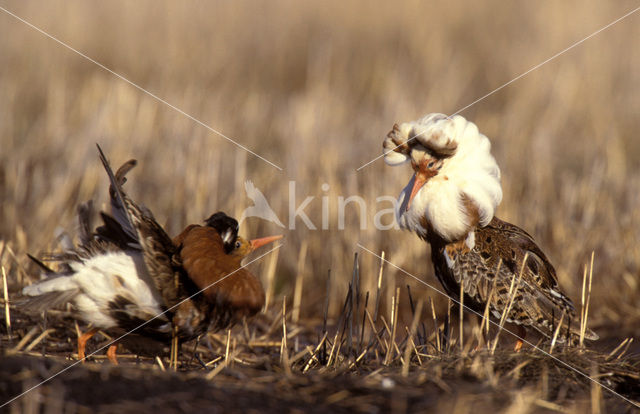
(130, 276)
(450, 202)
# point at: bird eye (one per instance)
(238, 245)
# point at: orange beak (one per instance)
(255, 243)
(419, 179)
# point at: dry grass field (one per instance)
(313, 87)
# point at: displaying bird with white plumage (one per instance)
(450, 203)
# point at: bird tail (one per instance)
(85, 222)
(44, 301)
(56, 290)
(590, 335)
(570, 331)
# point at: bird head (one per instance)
(227, 227)
(425, 167)
(456, 180)
(244, 247)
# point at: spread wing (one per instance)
(139, 224)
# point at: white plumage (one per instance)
(469, 173)
(100, 281)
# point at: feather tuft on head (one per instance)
(463, 192)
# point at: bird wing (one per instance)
(540, 268)
(538, 301)
(139, 223)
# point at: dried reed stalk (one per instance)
(394, 312)
(485, 315)
(435, 325)
(596, 391)
(585, 306)
(160, 364)
(379, 286)
(461, 314)
(557, 331)
(353, 301)
(283, 347)
(272, 261)
(226, 351)
(314, 353)
(25, 339)
(39, 339)
(364, 317)
(174, 349)
(297, 292)
(415, 348)
(7, 310)
(412, 331)
(375, 335)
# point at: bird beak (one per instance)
(255, 243)
(419, 179)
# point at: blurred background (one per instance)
(314, 88)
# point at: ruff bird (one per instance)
(129, 275)
(450, 203)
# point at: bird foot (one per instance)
(520, 335)
(82, 343)
(111, 354)
(518, 345)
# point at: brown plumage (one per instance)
(229, 292)
(199, 273)
(538, 303)
(158, 250)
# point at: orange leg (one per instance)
(111, 354)
(82, 342)
(521, 332)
